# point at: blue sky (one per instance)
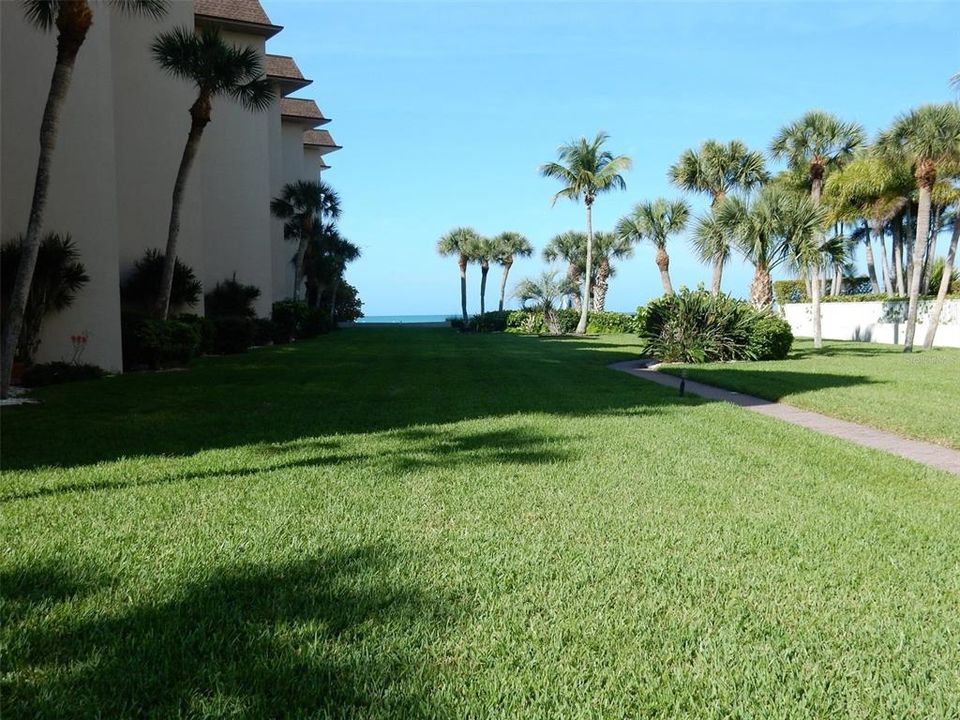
(445, 110)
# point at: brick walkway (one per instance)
(923, 452)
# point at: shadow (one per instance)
(418, 449)
(367, 380)
(752, 379)
(324, 635)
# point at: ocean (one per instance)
(401, 319)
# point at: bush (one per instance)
(936, 277)
(230, 298)
(263, 331)
(233, 334)
(142, 287)
(610, 323)
(57, 278)
(696, 326)
(494, 321)
(288, 317)
(567, 320)
(348, 307)
(315, 322)
(55, 373)
(790, 291)
(770, 337)
(153, 343)
(208, 331)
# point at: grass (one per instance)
(916, 394)
(414, 523)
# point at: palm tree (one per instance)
(484, 251)
(509, 245)
(217, 69)
(928, 138)
(461, 242)
(814, 145)
(655, 222)
(73, 19)
(571, 247)
(607, 246)
(945, 279)
(342, 252)
(585, 170)
(718, 169)
(303, 206)
(545, 292)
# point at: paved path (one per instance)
(923, 452)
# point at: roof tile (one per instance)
(245, 11)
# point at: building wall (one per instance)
(82, 198)
(879, 322)
(281, 284)
(291, 150)
(235, 165)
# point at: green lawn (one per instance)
(917, 394)
(415, 523)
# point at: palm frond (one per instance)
(149, 8)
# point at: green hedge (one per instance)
(598, 323)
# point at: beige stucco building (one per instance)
(122, 132)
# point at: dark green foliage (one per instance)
(770, 337)
(348, 307)
(57, 279)
(142, 287)
(494, 321)
(790, 291)
(233, 334)
(152, 343)
(55, 373)
(697, 326)
(610, 323)
(936, 276)
(263, 331)
(231, 298)
(288, 317)
(207, 329)
(853, 289)
(316, 321)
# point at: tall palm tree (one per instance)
(217, 69)
(72, 19)
(607, 247)
(655, 222)
(571, 247)
(342, 252)
(509, 245)
(816, 144)
(585, 170)
(948, 266)
(484, 251)
(460, 242)
(545, 291)
(719, 169)
(303, 206)
(928, 138)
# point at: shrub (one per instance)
(149, 342)
(57, 278)
(494, 321)
(936, 277)
(696, 326)
(315, 322)
(233, 334)
(230, 298)
(567, 320)
(770, 337)
(142, 287)
(610, 323)
(263, 331)
(55, 373)
(790, 291)
(288, 317)
(207, 329)
(348, 307)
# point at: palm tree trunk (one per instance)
(837, 283)
(898, 255)
(663, 263)
(306, 231)
(885, 262)
(199, 117)
(931, 251)
(463, 287)
(923, 227)
(574, 276)
(600, 286)
(507, 262)
(944, 286)
(484, 269)
(761, 290)
(815, 297)
(333, 299)
(715, 280)
(73, 22)
(871, 265)
(585, 301)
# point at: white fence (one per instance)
(880, 322)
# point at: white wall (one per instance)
(82, 198)
(235, 160)
(879, 322)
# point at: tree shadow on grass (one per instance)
(770, 384)
(325, 635)
(419, 449)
